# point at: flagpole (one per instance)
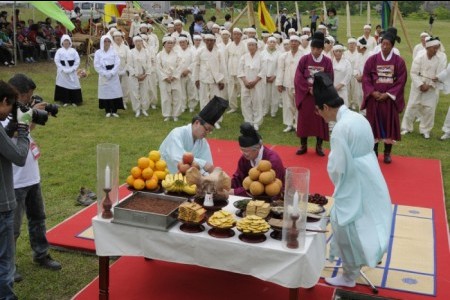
(298, 17)
(278, 17)
(368, 13)
(349, 28)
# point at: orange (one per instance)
(161, 175)
(130, 180)
(246, 183)
(154, 155)
(143, 162)
(161, 165)
(254, 173)
(273, 189)
(139, 184)
(151, 164)
(151, 184)
(147, 173)
(264, 165)
(266, 177)
(256, 188)
(136, 172)
(279, 182)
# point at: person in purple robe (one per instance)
(309, 123)
(383, 84)
(253, 152)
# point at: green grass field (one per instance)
(68, 161)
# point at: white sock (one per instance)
(340, 280)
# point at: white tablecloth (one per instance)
(268, 261)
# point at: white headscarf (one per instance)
(66, 37)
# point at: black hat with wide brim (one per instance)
(215, 108)
(323, 89)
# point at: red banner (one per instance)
(67, 5)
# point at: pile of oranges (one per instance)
(262, 180)
(148, 173)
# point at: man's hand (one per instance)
(424, 88)
(270, 79)
(339, 86)
(221, 85)
(197, 84)
(280, 88)
(24, 118)
(376, 95)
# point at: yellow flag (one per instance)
(265, 20)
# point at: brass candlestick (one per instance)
(292, 234)
(107, 205)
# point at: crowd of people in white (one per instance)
(236, 64)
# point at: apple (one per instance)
(183, 168)
(188, 158)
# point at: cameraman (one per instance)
(27, 186)
(9, 153)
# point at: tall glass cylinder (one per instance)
(107, 174)
(295, 206)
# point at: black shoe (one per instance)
(17, 276)
(303, 149)
(84, 200)
(48, 262)
(319, 151)
(387, 158)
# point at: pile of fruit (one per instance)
(176, 183)
(148, 173)
(317, 199)
(186, 163)
(262, 180)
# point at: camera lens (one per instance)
(40, 116)
(52, 109)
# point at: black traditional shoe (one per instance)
(48, 262)
(84, 200)
(88, 193)
(319, 150)
(387, 158)
(303, 149)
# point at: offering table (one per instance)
(268, 261)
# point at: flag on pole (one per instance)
(111, 12)
(136, 5)
(265, 20)
(50, 8)
(385, 14)
(67, 5)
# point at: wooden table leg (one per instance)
(293, 294)
(103, 277)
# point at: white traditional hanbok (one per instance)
(272, 97)
(251, 68)
(420, 103)
(67, 89)
(139, 65)
(168, 65)
(361, 216)
(107, 65)
(233, 54)
(343, 73)
(124, 54)
(181, 140)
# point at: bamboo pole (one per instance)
(400, 18)
(299, 25)
(278, 17)
(394, 14)
(368, 13)
(250, 14)
(238, 18)
(349, 24)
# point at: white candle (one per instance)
(107, 177)
(295, 203)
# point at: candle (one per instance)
(295, 203)
(107, 177)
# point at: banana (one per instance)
(190, 189)
(167, 184)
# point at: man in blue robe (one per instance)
(362, 214)
(192, 138)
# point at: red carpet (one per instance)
(411, 181)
